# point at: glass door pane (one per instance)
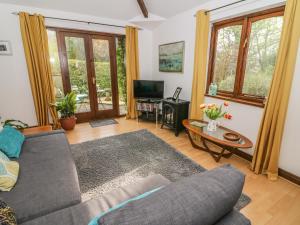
(103, 73)
(55, 64)
(77, 65)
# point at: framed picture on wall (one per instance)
(5, 48)
(171, 57)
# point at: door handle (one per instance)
(245, 43)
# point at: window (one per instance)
(243, 55)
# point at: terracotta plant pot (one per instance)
(68, 123)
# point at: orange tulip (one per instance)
(210, 105)
(202, 106)
(228, 116)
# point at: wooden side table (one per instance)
(36, 130)
(216, 138)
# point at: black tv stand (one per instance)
(148, 109)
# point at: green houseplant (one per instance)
(66, 107)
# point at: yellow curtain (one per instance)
(269, 139)
(35, 43)
(200, 62)
(132, 68)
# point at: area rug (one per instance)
(103, 122)
(108, 163)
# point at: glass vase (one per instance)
(212, 125)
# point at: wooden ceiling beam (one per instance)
(143, 8)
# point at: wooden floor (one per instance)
(273, 203)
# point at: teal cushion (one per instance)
(11, 141)
(94, 221)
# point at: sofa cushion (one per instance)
(94, 221)
(9, 171)
(11, 141)
(82, 213)
(199, 199)
(48, 178)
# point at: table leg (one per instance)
(216, 155)
(156, 115)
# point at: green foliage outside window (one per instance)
(260, 59)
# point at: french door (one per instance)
(88, 66)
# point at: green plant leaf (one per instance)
(67, 105)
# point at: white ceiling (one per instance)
(114, 9)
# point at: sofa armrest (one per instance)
(44, 133)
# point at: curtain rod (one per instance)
(81, 21)
(233, 3)
(223, 6)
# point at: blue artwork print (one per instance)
(171, 57)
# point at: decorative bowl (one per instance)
(231, 136)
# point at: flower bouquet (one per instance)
(215, 112)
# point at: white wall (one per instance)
(145, 54)
(246, 119)
(15, 93)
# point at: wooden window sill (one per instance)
(238, 100)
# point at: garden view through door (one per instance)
(92, 65)
(89, 69)
(104, 76)
(78, 72)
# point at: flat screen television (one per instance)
(148, 89)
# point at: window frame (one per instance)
(246, 21)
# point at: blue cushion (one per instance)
(11, 141)
(94, 221)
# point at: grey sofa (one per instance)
(48, 178)
(47, 191)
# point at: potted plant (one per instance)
(215, 112)
(66, 107)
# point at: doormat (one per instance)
(103, 122)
